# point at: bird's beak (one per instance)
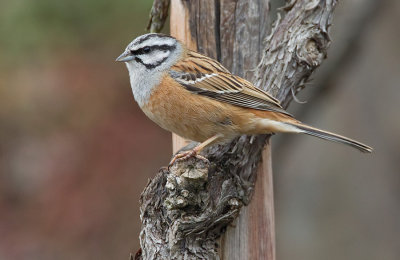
(125, 57)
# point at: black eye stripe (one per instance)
(146, 49)
(149, 66)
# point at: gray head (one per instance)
(151, 51)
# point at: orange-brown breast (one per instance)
(198, 118)
(193, 116)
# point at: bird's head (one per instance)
(151, 51)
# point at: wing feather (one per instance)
(204, 76)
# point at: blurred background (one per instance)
(76, 151)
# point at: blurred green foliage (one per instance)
(30, 29)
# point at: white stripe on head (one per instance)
(151, 39)
(155, 57)
(154, 42)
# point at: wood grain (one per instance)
(179, 28)
(218, 29)
(252, 236)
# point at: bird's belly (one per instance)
(189, 119)
(192, 116)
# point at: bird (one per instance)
(197, 98)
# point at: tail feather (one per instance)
(308, 130)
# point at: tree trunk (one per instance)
(186, 209)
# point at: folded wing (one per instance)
(204, 76)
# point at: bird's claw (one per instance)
(186, 155)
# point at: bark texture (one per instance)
(186, 209)
(353, 24)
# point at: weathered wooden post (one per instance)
(184, 214)
(233, 32)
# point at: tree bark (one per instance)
(186, 209)
(353, 25)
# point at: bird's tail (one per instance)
(308, 130)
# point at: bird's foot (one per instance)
(186, 155)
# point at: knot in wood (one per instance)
(191, 169)
(311, 52)
(186, 180)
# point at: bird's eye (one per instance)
(146, 49)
